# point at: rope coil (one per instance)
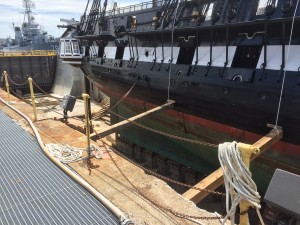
(68, 154)
(238, 180)
(64, 153)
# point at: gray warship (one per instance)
(30, 35)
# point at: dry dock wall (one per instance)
(68, 80)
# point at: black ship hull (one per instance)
(231, 67)
(198, 117)
(247, 106)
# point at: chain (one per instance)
(166, 178)
(90, 165)
(11, 80)
(164, 208)
(35, 84)
(148, 128)
(54, 98)
(15, 93)
(167, 134)
(77, 97)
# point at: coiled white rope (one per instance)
(67, 154)
(237, 179)
(64, 153)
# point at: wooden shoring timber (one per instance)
(128, 122)
(215, 179)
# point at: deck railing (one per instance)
(133, 8)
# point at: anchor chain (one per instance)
(163, 208)
(166, 178)
(167, 134)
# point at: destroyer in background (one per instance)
(231, 66)
(30, 36)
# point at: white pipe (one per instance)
(82, 182)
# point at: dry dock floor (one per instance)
(122, 189)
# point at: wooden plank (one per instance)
(215, 179)
(125, 123)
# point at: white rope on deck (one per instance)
(64, 153)
(238, 180)
(67, 154)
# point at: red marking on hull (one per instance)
(249, 137)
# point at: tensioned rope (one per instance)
(98, 115)
(172, 44)
(153, 130)
(284, 73)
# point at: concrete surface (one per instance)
(128, 189)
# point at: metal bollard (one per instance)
(7, 85)
(32, 98)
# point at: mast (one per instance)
(28, 5)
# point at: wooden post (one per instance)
(118, 126)
(215, 179)
(87, 121)
(7, 85)
(32, 98)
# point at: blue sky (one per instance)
(47, 13)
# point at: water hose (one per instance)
(116, 211)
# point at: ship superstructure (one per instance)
(30, 35)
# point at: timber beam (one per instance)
(215, 179)
(128, 122)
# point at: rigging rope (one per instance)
(100, 114)
(237, 179)
(284, 73)
(172, 43)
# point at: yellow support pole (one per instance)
(87, 120)
(7, 85)
(32, 98)
(246, 153)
